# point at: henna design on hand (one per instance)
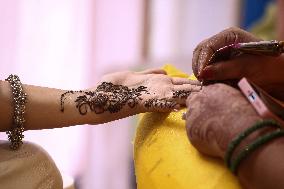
(159, 103)
(181, 94)
(107, 97)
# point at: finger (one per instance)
(154, 71)
(181, 81)
(187, 87)
(191, 98)
(200, 135)
(161, 105)
(181, 92)
(233, 69)
(210, 46)
(203, 139)
(195, 59)
(184, 115)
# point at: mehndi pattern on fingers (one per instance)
(163, 103)
(181, 94)
(106, 98)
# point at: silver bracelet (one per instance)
(15, 135)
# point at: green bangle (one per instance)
(253, 146)
(238, 139)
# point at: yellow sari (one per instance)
(165, 159)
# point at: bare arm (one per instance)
(42, 108)
(213, 122)
(118, 95)
(264, 168)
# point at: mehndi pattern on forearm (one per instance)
(106, 98)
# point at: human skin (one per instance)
(45, 110)
(216, 115)
(265, 71)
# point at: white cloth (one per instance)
(30, 167)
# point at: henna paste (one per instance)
(107, 97)
(160, 103)
(181, 94)
(62, 98)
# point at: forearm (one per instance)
(48, 108)
(42, 108)
(215, 126)
(120, 95)
(264, 168)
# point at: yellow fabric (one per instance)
(165, 159)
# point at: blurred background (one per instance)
(70, 44)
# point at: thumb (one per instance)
(200, 134)
(204, 51)
(161, 105)
(245, 66)
(203, 138)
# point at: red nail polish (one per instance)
(206, 73)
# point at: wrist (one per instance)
(106, 102)
(6, 104)
(268, 130)
(70, 109)
(263, 168)
(238, 127)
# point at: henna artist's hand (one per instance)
(215, 116)
(265, 71)
(205, 49)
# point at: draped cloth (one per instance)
(165, 159)
(30, 167)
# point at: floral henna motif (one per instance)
(112, 98)
(159, 103)
(181, 94)
(107, 97)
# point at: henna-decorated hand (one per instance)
(265, 71)
(160, 93)
(123, 94)
(215, 115)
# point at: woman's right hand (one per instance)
(265, 71)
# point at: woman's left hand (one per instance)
(215, 116)
(162, 93)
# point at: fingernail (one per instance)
(183, 116)
(176, 108)
(207, 73)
